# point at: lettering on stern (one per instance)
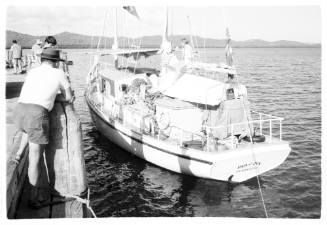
(247, 166)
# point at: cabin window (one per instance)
(107, 87)
(111, 86)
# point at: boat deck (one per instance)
(199, 145)
(195, 141)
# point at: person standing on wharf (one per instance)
(16, 51)
(31, 114)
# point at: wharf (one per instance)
(57, 171)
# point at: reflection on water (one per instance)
(284, 82)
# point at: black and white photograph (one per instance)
(148, 111)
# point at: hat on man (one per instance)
(38, 42)
(51, 54)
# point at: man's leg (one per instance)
(20, 62)
(14, 61)
(34, 156)
(22, 146)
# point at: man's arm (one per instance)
(67, 95)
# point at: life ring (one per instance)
(255, 138)
(163, 120)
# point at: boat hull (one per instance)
(233, 165)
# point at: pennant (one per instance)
(131, 10)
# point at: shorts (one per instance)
(34, 120)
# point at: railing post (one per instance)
(260, 118)
(270, 129)
(208, 140)
(159, 134)
(232, 135)
(280, 130)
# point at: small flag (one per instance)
(131, 10)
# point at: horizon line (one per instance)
(252, 39)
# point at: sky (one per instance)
(296, 23)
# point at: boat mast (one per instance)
(165, 31)
(115, 44)
(189, 31)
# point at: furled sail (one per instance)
(135, 53)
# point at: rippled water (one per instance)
(284, 82)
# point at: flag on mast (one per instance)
(228, 50)
(132, 10)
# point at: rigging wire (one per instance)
(204, 42)
(103, 28)
(195, 45)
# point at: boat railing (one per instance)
(181, 135)
(265, 122)
(268, 125)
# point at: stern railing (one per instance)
(265, 123)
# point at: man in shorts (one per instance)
(31, 114)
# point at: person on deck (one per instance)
(31, 115)
(239, 90)
(36, 52)
(170, 67)
(187, 54)
(16, 55)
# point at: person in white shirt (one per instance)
(31, 115)
(16, 55)
(36, 52)
(187, 54)
(170, 67)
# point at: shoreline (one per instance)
(87, 47)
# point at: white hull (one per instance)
(239, 165)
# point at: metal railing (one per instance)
(182, 133)
(264, 122)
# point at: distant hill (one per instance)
(72, 40)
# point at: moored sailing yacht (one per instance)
(198, 124)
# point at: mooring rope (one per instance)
(253, 155)
(84, 201)
(249, 127)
